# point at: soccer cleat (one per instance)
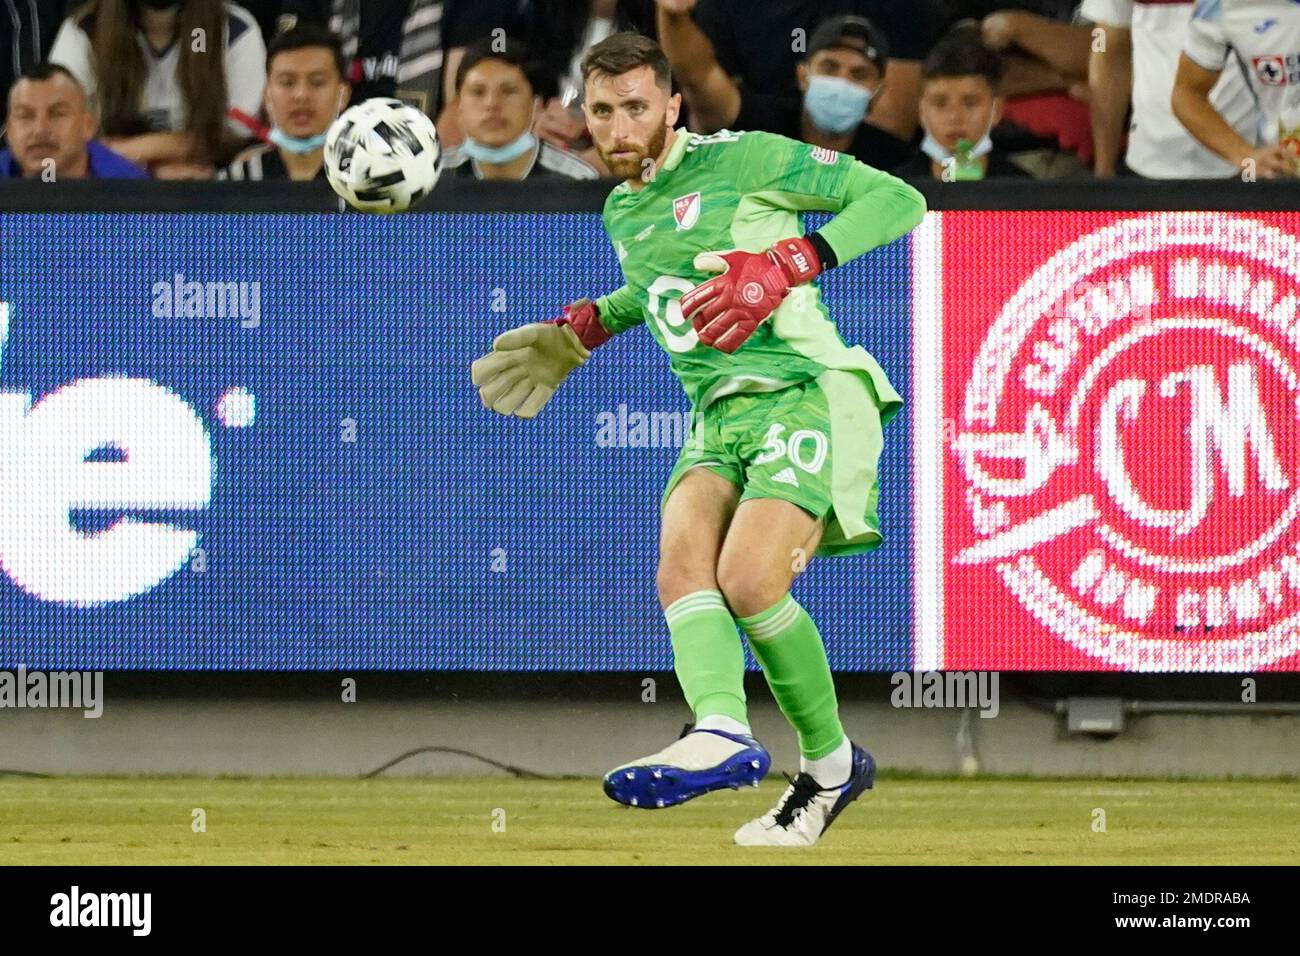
(806, 810)
(698, 762)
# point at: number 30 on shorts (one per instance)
(795, 448)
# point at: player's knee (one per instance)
(747, 591)
(675, 580)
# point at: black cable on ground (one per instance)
(521, 772)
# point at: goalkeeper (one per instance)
(786, 422)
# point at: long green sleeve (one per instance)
(878, 208)
(872, 207)
(620, 310)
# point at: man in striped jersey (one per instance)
(496, 104)
(305, 91)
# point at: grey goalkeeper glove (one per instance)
(527, 364)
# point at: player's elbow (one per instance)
(911, 202)
(919, 201)
(904, 202)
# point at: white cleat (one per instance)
(698, 762)
(806, 810)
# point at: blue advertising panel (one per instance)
(236, 441)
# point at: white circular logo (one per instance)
(1130, 444)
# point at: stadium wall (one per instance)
(564, 726)
(1098, 468)
(344, 511)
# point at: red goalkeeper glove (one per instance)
(726, 309)
(581, 316)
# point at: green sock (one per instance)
(708, 655)
(786, 644)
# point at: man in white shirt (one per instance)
(1264, 35)
(1137, 63)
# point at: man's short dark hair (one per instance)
(963, 54)
(513, 52)
(851, 32)
(48, 71)
(303, 35)
(620, 52)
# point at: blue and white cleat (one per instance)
(806, 811)
(698, 762)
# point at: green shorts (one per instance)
(815, 445)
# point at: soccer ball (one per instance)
(382, 155)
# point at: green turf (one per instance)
(404, 820)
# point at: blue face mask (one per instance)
(295, 144)
(835, 105)
(499, 154)
(301, 144)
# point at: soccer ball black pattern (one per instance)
(382, 155)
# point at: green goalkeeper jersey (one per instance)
(747, 191)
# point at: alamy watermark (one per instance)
(76, 908)
(638, 429)
(946, 689)
(74, 690)
(181, 298)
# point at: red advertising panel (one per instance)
(1120, 473)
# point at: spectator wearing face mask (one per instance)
(51, 132)
(305, 92)
(837, 80)
(560, 32)
(961, 102)
(163, 74)
(760, 43)
(497, 105)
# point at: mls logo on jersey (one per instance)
(825, 155)
(686, 210)
(1270, 70)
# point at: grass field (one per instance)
(416, 821)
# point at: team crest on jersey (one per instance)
(1270, 70)
(1130, 445)
(825, 155)
(686, 210)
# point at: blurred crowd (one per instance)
(955, 90)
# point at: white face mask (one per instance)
(935, 150)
